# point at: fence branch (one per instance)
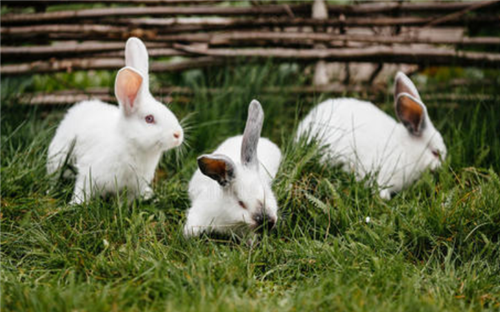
(426, 56)
(361, 9)
(70, 65)
(370, 54)
(217, 39)
(96, 31)
(68, 97)
(36, 3)
(268, 10)
(60, 16)
(225, 23)
(457, 15)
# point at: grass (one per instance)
(434, 247)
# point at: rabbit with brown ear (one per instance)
(115, 147)
(231, 190)
(366, 141)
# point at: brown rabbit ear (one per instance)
(251, 135)
(411, 112)
(127, 86)
(217, 167)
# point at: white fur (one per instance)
(367, 141)
(215, 208)
(114, 150)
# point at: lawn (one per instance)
(433, 247)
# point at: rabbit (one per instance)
(113, 147)
(231, 190)
(365, 140)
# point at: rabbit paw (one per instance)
(147, 193)
(385, 194)
(76, 200)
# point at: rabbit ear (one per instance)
(409, 107)
(251, 135)
(217, 167)
(411, 112)
(136, 56)
(127, 86)
(403, 84)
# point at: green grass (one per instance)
(434, 247)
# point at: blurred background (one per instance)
(55, 53)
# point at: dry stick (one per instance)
(103, 64)
(375, 73)
(220, 56)
(24, 3)
(34, 31)
(391, 7)
(73, 32)
(105, 94)
(171, 21)
(361, 9)
(194, 24)
(96, 31)
(370, 54)
(59, 16)
(73, 96)
(65, 49)
(61, 66)
(226, 38)
(227, 22)
(159, 52)
(23, 54)
(454, 16)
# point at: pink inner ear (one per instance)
(131, 99)
(127, 87)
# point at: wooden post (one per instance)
(320, 11)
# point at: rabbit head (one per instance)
(247, 196)
(145, 122)
(412, 113)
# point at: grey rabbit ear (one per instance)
(217, 167)
(251, 135)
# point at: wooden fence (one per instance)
(207, 33)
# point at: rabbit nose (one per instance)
(271, 222)
(177, 134)
(264, 220)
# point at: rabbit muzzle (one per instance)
(263, 221)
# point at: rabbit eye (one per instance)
(150, 119)
(242, 204)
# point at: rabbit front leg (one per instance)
(145, 190)
(80, 190)
(193, 227)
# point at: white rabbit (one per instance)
(365, 140)
(231, 190)
(111, 146)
